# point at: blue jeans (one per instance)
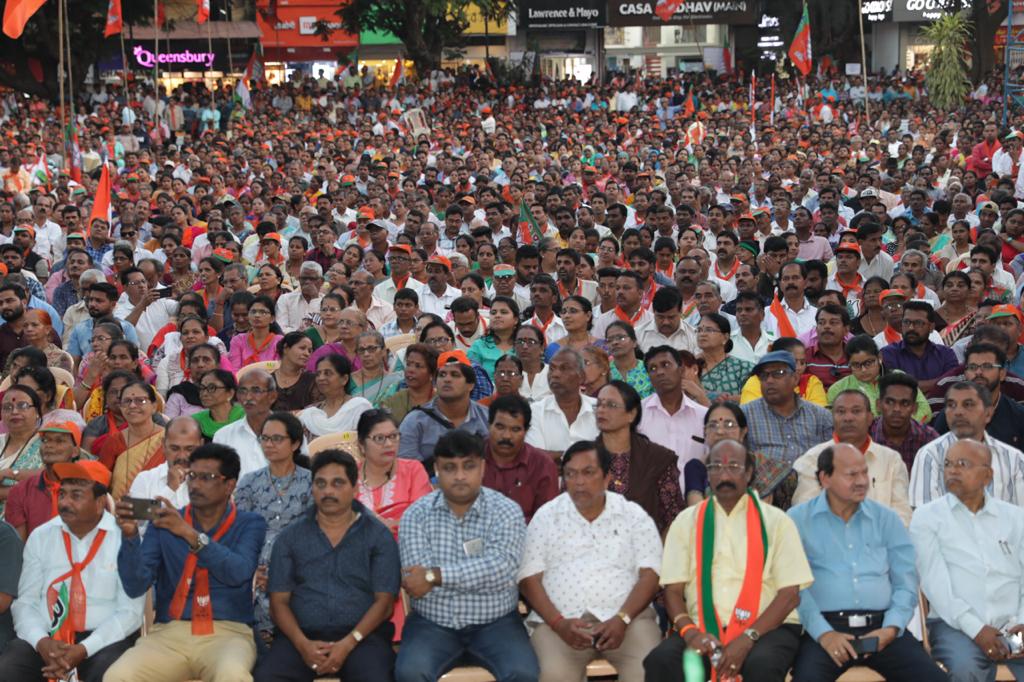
(963, 658)
(502, 647)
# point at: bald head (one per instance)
(968, 469)
(181, 436)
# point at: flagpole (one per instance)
(60, 69)
(156, 52)
(67, 40)
(864, 59)
(124, 65)
(209, 40)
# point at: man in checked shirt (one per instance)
(460, 547)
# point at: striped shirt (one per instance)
(927, 479)
(786, 438)
(478, 555)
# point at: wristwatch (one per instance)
(430, 576)
(753, 634)
(624, 617)
(202, 540)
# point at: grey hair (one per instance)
(576, 355)
(91, 276)
(268, 379)
(239, 268)
(714, 285)
(312, 266)
(914, 252)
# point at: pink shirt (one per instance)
(242, 353)
(816, 248)
(675, 431)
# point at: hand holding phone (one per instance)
(865, 645)
(143, 509)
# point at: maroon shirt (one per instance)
(29, 504)
(530, 480)
(828, 370)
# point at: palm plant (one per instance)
(946, 79)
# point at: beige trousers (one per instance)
(171, 653)
(559, 662)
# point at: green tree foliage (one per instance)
(37, 51)
(426, 27)
(946, 76)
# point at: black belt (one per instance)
(854, 619)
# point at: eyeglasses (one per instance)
(915, 323)
(329, 310)
(128, 235)
(773, 373)
(719, 424)
(439, 341)
(382, 438)
(207, 388)
(610, 404)
(201, 476)
(984, 367)
(17, 407)
(961, 464)
(258, 312)
(362, 350)
(276, 439)
(571, 311)
(507, 374)
(618, 338)
(101, 338)
(527, 342)
(242, 391)
(138, 282)
(867, 364)
(136, 401)
(716, 468)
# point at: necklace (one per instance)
(362, 386)
(387, 477)
(278, 487)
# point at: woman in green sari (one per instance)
(329, 329)
(723, 374)
(373, 381)
(21, 412)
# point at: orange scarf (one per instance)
(202, 606)
(67, 610)
(863, 448)
(621, 314)
(250, 341)
(857, 287)
(785, 326)
(732, 271)
(399, 285)
(891, 335)
(565, 294)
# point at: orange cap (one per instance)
(68, 427)
(88, 470)
(458, 356)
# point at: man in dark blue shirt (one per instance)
(333, 579)
(202, 561)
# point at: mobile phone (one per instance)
(143, 509)
(166, 292)
(1014, 643)
(865, 645)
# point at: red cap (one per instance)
(272, 236)
(87, 470)
(404, 248)
(1005, 310)
(366, 212)
(739, 197)
(853, 247)
(458, 356)
(68, 427)
(746, 216)
(441, 260)
(224, 255)
(888, 293)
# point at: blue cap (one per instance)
(780, 356)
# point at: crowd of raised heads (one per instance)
(648, 374)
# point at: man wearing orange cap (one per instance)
(451, 408)
(846, 278)
(399, 262)
(72, 612)
(33, 501)
(1008, 317)
(438, 295)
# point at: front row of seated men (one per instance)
(757, 591)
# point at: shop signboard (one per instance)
(640, 13)
(563, 13)
(877, 11)
(923, 11)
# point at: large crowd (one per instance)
(370, 382)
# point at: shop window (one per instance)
(615, 36)
(684, 35)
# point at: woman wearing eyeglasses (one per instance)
(625, 357)
(530, 347)
(329, 329)
(723, 374)
(387, 484)
(280, 492)
(351, 323)
(643, 471)
(136, 447)
(217, 393)
(373, 381)
(578, 318)
(597, 370)
(183, 398)
(865, 370)
(21, 412)
(260, 344)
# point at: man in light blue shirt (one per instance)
(970, 549)
(865, 585)
(100, 300)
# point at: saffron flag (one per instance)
(253, 71)
(16, 15)
(202, 11)
(73, 152)
(398, 74)
(529, 231)
(101, 205)
(727, 53)
(115, 20)
(40, 172)
(800, 49)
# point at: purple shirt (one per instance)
(936, 361)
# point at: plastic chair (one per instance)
(268, 365)
(346, 440)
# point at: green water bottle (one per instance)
(693, 666)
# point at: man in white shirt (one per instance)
(377, 311)
(750, 340)
(969, 408)
(970, 547)
(666, 327)
(149, 310)
(590, 570)
(875, 262)
(438, 295)
(565, 416)
(257, 393)
(399, 262)
(851, 411)
(100, 622)
(182, 435)
(799, 312)
(295, 310)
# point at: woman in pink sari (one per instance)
(387, 485)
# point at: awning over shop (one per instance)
(291, 31)
(190, 30)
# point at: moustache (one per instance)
(65, 510)
(505, 443)
(726, 485)
(329, 499)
